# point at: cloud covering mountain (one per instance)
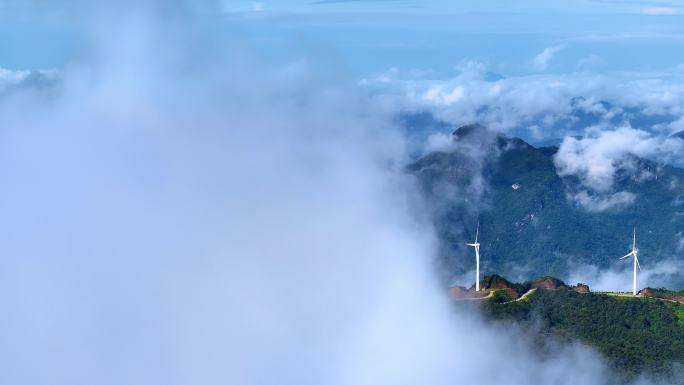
(540, 107)
(600, 122)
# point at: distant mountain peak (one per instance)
(475, 132)
(679, 135)
(492, 77)
(468, 130)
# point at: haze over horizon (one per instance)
(369, 37)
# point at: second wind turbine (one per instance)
(476, 245)
(634, 253)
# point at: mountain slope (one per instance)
(636, 335)
(529, 226)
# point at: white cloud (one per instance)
(590, 62)
(602, 202)
(596, 158)
(546, 107)
(546, 103)
(677, 125)
(445, 98)
(618, 277)
(543, 59)
(439, 142)
(659, 11)
(258, 6)
(13, 78)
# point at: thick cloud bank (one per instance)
(539, 107)
(174, 215)
(597, 160)
(604, 125)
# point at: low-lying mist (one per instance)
(177, 211)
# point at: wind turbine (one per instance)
(634, 253)
(476, 245)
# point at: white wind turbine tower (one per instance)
(634, 253)
(476, 245)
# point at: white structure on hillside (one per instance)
(476, 246)
(634, 253)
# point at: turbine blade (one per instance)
(628, 255)
(634, 239)
(477, 232)
(637, 261)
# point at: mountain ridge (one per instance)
(637, 335)
(529, 225)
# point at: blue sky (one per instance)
(374, 35)
(368, 37)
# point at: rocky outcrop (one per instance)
(547, 283)
(505, 289)
(663, 294)
(460, 292)
(497, 282)
(582, 288)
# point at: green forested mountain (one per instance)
(528, 225)
(636, 335)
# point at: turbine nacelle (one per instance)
(628, 255)
(635, 257)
